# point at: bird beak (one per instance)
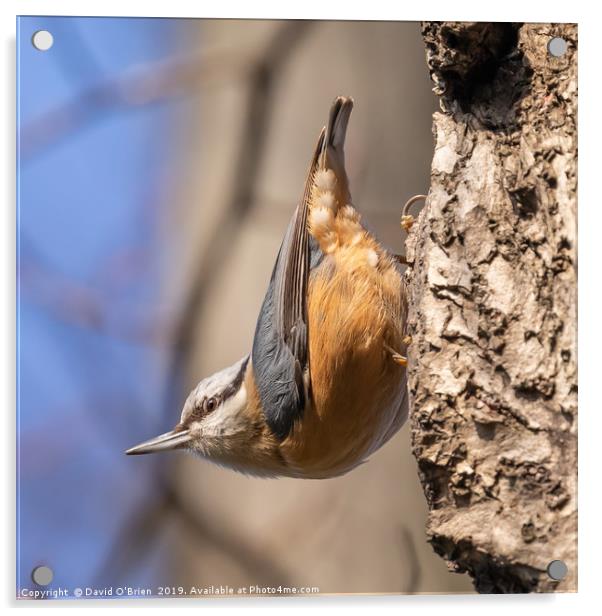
(163, 442)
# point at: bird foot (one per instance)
(407, 220)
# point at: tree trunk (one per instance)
(493, 297)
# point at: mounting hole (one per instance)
(42, 40)
(42, 575)
(557, 47)
(557, 570)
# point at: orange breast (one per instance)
(356, 307)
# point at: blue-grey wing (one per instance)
(280, 353)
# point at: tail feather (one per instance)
(330, 194)
(338, 120)
(333, 148)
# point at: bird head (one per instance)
(221, 422)
(212, 414)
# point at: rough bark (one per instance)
(493, 296)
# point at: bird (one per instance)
(324, 385)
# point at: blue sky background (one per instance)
(88, 280)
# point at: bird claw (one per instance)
(400, 359)
(407, 221)
(397, 357)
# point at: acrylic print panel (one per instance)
(349, 406)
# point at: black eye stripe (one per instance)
(231, 389)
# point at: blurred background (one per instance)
(159, 163)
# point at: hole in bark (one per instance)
(487, 74)
(498, 41)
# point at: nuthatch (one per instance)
(324, 385)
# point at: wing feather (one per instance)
(281, 345)
(280, 357)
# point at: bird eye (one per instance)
(210, 404)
